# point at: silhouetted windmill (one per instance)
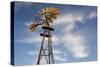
(44, 18)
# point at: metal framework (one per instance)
(46, 49)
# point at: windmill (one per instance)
(44, 18)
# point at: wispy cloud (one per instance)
(76, 45)
(30, 39)
(56, 51)
(92, 15)
(19, 5)
(72, 17)
(32, 53)
(60, 55)
(59, 58)
(28, 23)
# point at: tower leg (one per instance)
(50, 51)
(39, 57)
(52, 57)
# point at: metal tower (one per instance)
(46, 49)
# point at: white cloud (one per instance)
(56, 51)
(60, 55)
(68, 21)
(69, 18)
(54, 40)
(59, 58)
(36, 38)
(76, 45)
(32, 38)
(19, 5)
(28, 23)
(72, 17)
(68, 28)
(32, 53)
(92, 15)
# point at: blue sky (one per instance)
(74, 38)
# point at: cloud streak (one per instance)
(76, 45)
(71, 18)
(57, 56)
(30, 39)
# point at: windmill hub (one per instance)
(47, 29)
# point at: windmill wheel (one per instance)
(49, 13)
(45, 16)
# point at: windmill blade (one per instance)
(37, 18)
(48, 18)
(51, 18)
(33, 27)
(54, 17)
